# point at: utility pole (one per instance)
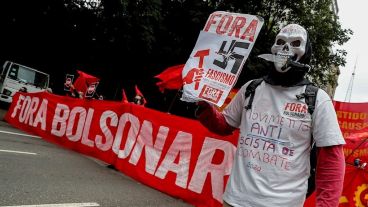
(350, 88)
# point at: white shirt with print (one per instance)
(271, 166)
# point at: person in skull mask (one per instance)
(271, 164)
(292, 52)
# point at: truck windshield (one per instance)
(28, 76)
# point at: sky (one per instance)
(352, 16)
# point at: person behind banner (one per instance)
(80, 95)
(68, 82)
(71, 91)
(90, 93)
(272, 162)
(49, 90)
(138, 99)
(23, 89)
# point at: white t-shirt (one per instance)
(271, 166)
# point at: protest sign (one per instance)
(218, 56)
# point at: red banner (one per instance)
(353, 121)
(353, 117)
(147, 145)
(355, 193)
(156, 148)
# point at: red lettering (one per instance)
(250, 32)
(301, 108)
(209, 73)
(304, 109)
(201, 54)
(298, 107)
(228, 19)
(287, 106)
(239, 23)
(292, 107)
(211, 20)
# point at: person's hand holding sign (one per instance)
(194, 75)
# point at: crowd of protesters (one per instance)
(90, 91)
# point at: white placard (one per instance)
(218, 56)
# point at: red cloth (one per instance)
(329, 175)
(84, 80)
(171, 78)
(139, 93)
(125, 99)
(174, 155)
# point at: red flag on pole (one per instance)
(125, 99)
(84, 80)
(138, 94)
(170, 78)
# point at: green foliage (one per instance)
(150, 35)
(315, 15)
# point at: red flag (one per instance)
(83, 81)
(125, 99)
(139, 93)
(170, 78)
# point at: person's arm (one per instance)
(329, 175)
(212, 119)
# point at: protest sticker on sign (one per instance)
(218, 56)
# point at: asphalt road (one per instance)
(35, 172)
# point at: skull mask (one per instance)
(290, 43)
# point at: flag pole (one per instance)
(173, 101)
(116, 90)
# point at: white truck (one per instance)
(15, 76)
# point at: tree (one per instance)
(110, 37)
